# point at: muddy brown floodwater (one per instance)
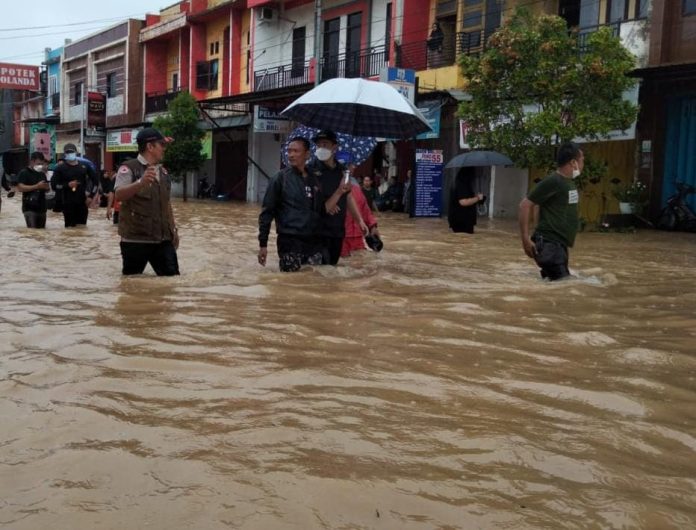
(438, 384)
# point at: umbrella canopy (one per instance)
(360, 108)
(479, 159)
(352, 149)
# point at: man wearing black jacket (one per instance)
(294, 200)
(78, 183)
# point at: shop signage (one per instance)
(270, 121)
(42, 138)
(19, 76)
(402, 79)
(121, 140)
(431, 111)
(428, 183)
(96, 109)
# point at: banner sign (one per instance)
(207, 145)
(428, 183)
(402, 79)
(42, 138)
(270, 120)
(431, 111)
(19, 76)
(122, 141)
(96, 109)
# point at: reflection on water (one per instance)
(438, 384)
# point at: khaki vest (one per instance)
(145, 216)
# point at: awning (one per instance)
(231, 122)
(667, 71)
(281, 95)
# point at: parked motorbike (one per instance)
(205, 189)
(677, 215)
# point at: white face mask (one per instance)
(39, 168)
(71, 157)
(323, 153)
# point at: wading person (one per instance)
(294, 201)
(462, 213)
(77, 184)
(33, 184)
(336, 194)
(557, 199)
(146, 225)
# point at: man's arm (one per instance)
(175, 239)
(331, 203)
(527, 207)
(125, 189)
(268, 211)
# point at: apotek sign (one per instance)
(19, 76)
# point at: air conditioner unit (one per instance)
(266, 14)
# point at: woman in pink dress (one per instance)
(354, 238)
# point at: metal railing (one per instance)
(584, 33)
(55, 101)
(362, 63)
(425, 55)
(159, 101)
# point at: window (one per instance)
(248, 62)
(214, 48)
(642, 9)
(207, 75)
(616, 10)
(77, 92)
(689, 7)
(52, 85)
(175, 82)
(111, 85)
(298, 51)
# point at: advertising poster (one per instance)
(431, 111)
(122, 141)
(428, 183)
(42, 138)
(96, 109)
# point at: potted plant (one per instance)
(632, 197)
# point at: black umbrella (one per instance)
(479, 159)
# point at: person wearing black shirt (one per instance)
(463, 201)
(335, 190)
(33, 184)
(78, 184)
(293, 200)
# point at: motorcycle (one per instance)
(677, 215)
(205, 189)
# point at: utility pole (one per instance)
(82, 120)
(317, 41)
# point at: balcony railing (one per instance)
(55, 102)
(159, 101)
(584, 33)
(363, 63)
(422, 56)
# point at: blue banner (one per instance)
(428, 183)
(431, 112)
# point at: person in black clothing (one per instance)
(32, 182)
(78, 184)
(463, 201)
(106, 186)
(336, 194)
(294, 200)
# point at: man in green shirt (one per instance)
(557, 200)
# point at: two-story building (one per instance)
(101, 93)
(667, 123)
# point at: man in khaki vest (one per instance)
(146, 225)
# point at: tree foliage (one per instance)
(181, 123)
(538, 85)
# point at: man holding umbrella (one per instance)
(335, 190)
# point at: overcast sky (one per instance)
(27, 27)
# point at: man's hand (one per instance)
(529, 247)
(149, 177)
(43, 185)
(263, 254)
(73, 184)
(345, 188)
(175, 240)
(334, 210)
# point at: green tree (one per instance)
(538, 85)
(181, 123)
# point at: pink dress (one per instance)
(354, 239)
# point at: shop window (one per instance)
(111, 85)
(689, 7)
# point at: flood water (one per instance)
(438, 384)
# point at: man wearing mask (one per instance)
(293, 199)
(557, 200)
(335, 190)
(146, 225)
(77, 183)
(33, 184)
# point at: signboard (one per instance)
(463, 133)
(19, 76)
(207, 145)
(428, 183)
(96, 109)
(270, 121)
(431, 111)
(121, 141)
(42, 138)
(402, 79)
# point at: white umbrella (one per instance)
(358, 107)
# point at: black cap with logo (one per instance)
(326, 135)
(149, 134)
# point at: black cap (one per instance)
(37, 155)
(326, 135)
(149, 134)
(70, 148)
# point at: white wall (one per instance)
(508, 188)
(273, 40)
(378, 18)
(265, 150)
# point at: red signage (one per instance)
(19, 76)
(96, 109)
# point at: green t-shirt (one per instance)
(557, 198)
